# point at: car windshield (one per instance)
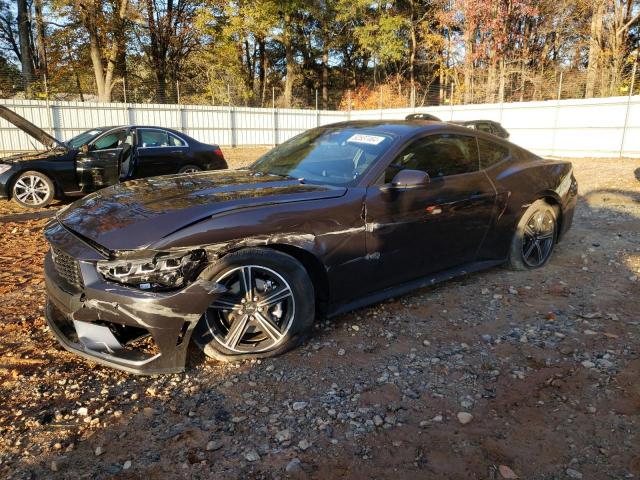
(330, 155)
(84, 137)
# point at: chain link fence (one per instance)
(203, 89)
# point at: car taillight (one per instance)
(218, 153)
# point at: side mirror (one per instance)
(84, 148)
(410, 178)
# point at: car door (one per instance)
(159, 152)
(98, 164)
(424, 229)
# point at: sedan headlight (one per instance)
(163, 270)
(4, 167)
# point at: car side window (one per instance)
(439, 155)
(174, 141)
(491, 153)
(154, 138)
(484, 127)
(110, 140)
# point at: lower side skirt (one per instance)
(407, 287)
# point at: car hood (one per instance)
(136, 214)
(29, 128)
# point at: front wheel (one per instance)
(33, 190)
(535, 237)
(268, 307)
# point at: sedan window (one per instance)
(484, 127)
(110, 140)
(438, 155)
(154, 138)
(84, 137)
(174, 141)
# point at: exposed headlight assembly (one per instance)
(163, 270)
(4, 167)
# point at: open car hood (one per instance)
(29, 128)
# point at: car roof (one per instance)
(476, 121)
(177, 132)
(400, 127)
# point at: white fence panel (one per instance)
(593, 127)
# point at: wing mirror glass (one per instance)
(410, 178)
(86, 148)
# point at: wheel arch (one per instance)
(311, 263)
(314, 268)
(552, 199)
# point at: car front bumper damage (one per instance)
(129, 329)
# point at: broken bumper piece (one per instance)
(132, 330)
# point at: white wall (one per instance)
(574, 128)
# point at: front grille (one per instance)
(68, 269)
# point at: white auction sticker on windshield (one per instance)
(366, 139)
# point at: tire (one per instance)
(535, 237)
(189, 169)
(271, 273)
(32, 190)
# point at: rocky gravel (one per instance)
(495, 375)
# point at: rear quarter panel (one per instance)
(519, 183)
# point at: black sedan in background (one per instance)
(339, 217)
(98, 158)
(487, 126)
(422, 116)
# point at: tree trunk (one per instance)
(490, 86)
(26, 51)
(41, 40)
(104, 77)
(325, 73)
(290, 61)
(501, 81)
(262, 72)
(412, 59)
(468, 63)
(595, 40)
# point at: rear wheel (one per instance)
(535, 237)
(190, 169)
(268, 307)
(33, 190)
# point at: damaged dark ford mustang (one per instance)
(339, 217)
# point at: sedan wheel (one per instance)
(190, 169)
(535, 237)
(33, 190)
(267, 309)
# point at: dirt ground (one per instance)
(544, 364)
